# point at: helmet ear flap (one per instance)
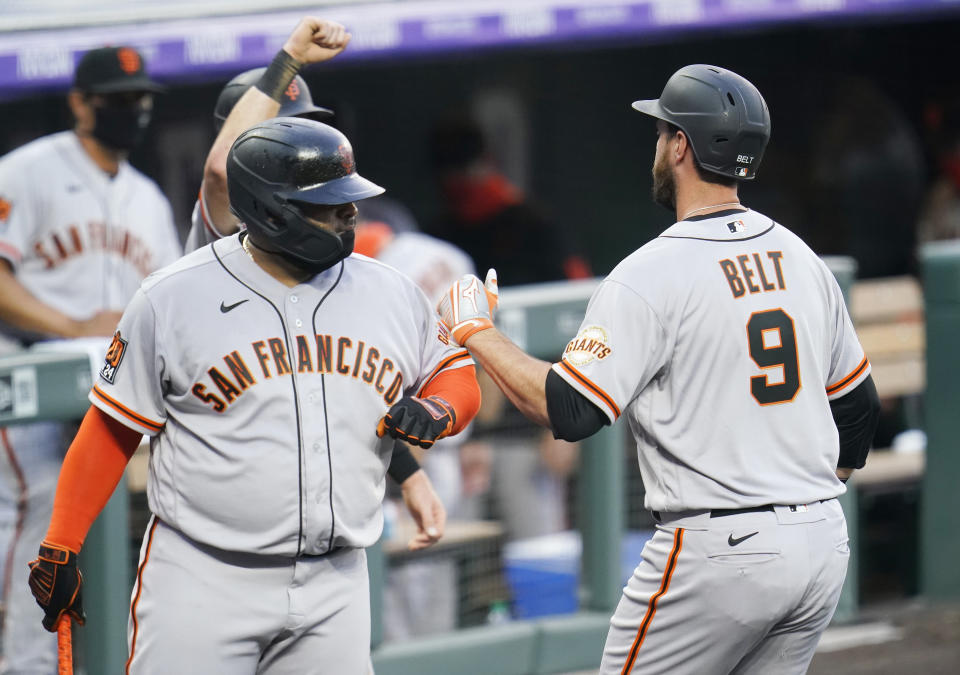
(274, 222)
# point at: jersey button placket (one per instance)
(319, 461)
(297, 322)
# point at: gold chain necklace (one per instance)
(712, 206)
(246, 247)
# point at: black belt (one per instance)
(719, 513)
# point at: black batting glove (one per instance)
(419, 421)
(55, 582)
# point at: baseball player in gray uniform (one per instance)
(726, 343)
(313, 40)
(79, 230)
(272, 399)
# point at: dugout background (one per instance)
(842, 98)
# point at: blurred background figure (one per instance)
(421, 597)
(497, 226)
(940, 216)
(488, 217)
(81, 229)
(866, 176)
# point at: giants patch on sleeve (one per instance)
(592, 343)
(114, 357)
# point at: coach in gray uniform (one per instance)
(726, 343)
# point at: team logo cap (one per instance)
(109, 70)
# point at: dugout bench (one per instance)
(37, 386)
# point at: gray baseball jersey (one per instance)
(722, 340)
(262, 401)
(81, 242)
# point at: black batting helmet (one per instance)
(285, 162)
(722, 114)
(296, 100)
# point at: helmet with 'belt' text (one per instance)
(722, 114)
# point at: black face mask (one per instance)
(120, 127)
(314, 254)
(325, 262)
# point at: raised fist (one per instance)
(315, 40)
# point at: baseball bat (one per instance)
(64, 647)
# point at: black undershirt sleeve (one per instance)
(572, 415)
(856, 415)
(402, 463)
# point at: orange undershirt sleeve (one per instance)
(91, 470)
(459, 388)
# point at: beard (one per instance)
(664, 186)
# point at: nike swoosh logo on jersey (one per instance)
(226, 308)
(74, 188)
(739, 540)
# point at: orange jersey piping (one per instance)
(597, 391)
(652, 604)
(126, 412)
(136, 598)
(842, 384)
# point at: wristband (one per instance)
(279, 75)
(403, 464)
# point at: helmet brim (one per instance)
(350, 188)
(126, 85)
(651, 107)
(314, 112)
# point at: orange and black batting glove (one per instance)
(419, 421)
(55, 582)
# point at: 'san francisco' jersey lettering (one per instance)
(231, 387)
(58, 248)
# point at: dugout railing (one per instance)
(40, 386)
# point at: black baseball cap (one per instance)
(109, 70)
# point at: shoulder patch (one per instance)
(114, 357)
(5, 208)
(591, 344)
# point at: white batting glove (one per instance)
(467, 307)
